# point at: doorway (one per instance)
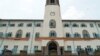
(53, 48)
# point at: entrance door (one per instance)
(52, 49)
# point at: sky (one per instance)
(34, 9)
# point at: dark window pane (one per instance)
(66, 25)
(91, 25)
(29, 25)
(20, 25)
(12, 25)
(67, 35)
(27, 35)
(52, 1)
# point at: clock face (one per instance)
(52, 13)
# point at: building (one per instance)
(49, 34)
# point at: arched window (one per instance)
(86, 34)
(75, 25)
(52, 34)
(19, 34)
(77, 35)
(52, 1)
(37, 35)
(83, 25)
(52, 24)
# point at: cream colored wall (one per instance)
(48, 17)
(33, 30)
(83, 44)
(79, 29)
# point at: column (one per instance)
(46, 51)
(58, 51)
(43, 51)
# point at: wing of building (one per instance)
(50, 34)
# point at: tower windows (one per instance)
(52, 24)
(52, 1)
(52, 34)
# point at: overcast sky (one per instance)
(34, 9)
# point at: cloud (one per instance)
(73, 13)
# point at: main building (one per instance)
(50, 34)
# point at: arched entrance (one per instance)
(53, 48)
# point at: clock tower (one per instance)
(52, 25)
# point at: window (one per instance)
(37, 35)
(29, 25)
(11, 25)
(83, 25)
(26, 48)
(96, 35)
(28, 35)
(52, 1)
(69, 48)
(9, 34)
(35, 48)
(66, 25)
(98, 25)
(52, 34)
(19, 34)
(89, 49)
(38, 25)
(15, 49)
(75, 25)
(77, 35)
(1, 34)
(98, 47)
(78, 48)
(91, 25)
(68, 35)
(5, 46)
(86, 34)
(20, 25)
(2, 25)
(52, 24)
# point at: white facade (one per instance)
(65, 34)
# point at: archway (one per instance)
(53, 48)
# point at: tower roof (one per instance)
(52, 2)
